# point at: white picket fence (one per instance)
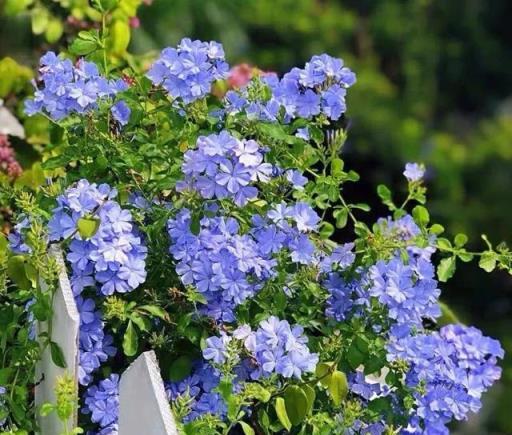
(143, 405)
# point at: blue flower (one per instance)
(414, 171)
(305, 217)
(121, 112)
(68, 89)
(188, 71)
(102, 402)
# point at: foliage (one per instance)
(201, 227)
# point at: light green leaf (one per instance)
(54, 30)
(326, 230)
(446, 268)
(460, 240)
(248, 430)
(46, 409)
(338, 387)
(488, 261)
(156, 311)
(130, 340)
(39, 19)
(421, 215)
(88, 226)
(280, 408)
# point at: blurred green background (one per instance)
(434, 85)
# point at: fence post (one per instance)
(143, 405)
(65, 329)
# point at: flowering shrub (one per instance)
(206, 229)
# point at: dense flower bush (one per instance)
(208, 229)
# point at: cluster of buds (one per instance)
(8, 162)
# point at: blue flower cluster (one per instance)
(114, 256)
(319, 88)
(275, 347)
(223, 166)
(228, 267)
(409, 291)
(17, 239)
(68, 88)
(95, 346)
(102, 403)
(450, 371)
(197, 388)
(188, 71)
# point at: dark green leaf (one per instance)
(296, 403)
(57, 355)
(180, 368)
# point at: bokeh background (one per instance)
(434, 85)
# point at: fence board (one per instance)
(65, 325)
(143, 405)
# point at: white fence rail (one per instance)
(143, 405)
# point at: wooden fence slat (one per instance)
(65, 326)
(143, 405)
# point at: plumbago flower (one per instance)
(217, 254)
(68, 88)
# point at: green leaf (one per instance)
(180, 368)
(338, 387)
(16, 272)
(296, 403)
(311, 396)
(54, 30)
(488, 261)
(337, 167)
(156, 311)
(39, 19)
(280, 408)
(361, 206)
(437, 229)
(88, 226)
(120, 37)
(248, 430)
(460, 240)
(383, 192)
(421, 215)
(444, 244)
(31, 274)
(323, 372)
(326, 230)
(341, 216)
(5, 375)
(195, 224)
(57, 355)
(446, 268)
(14, 7)
(81, 47)
(130, 340)
(46, 409)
